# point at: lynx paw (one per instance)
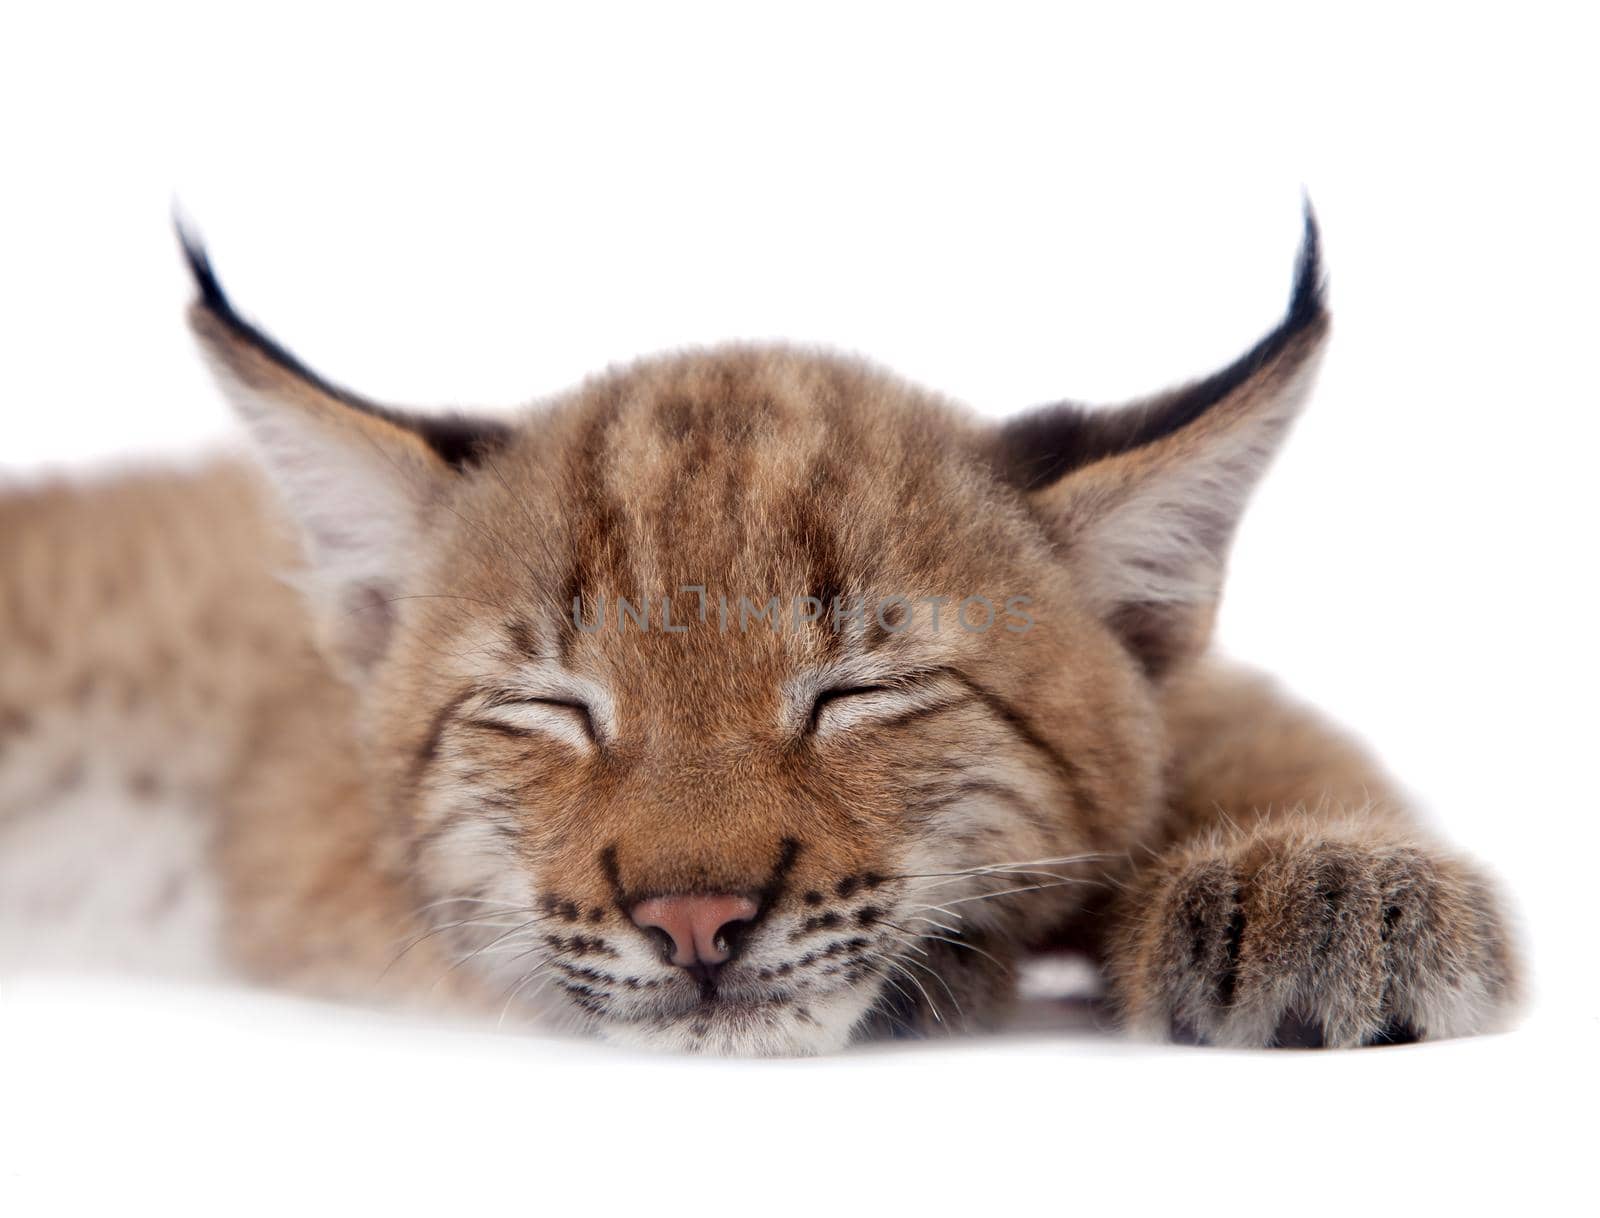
(1295, 938)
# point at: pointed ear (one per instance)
(361, 479)
(1144, 499)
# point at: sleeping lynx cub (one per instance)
(745, 701)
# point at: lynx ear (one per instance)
(360, 478)
(1144, 499)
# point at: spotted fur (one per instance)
(429, 776)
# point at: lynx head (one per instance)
(752, 700)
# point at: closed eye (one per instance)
(520, 714)
(830, 697)
(886, 703)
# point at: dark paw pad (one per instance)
(1295, 1031)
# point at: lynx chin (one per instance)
(331, 720)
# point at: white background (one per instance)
(1012, 205)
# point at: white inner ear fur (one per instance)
(1163, 537)
(359, 502)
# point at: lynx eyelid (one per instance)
(581, 709)
(839, 693)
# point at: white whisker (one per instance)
(899, 967)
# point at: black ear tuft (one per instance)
(1308, 302)
(215, 303)
(212, 296)
(1038, 448)
(460, 440)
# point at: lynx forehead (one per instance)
(749, 700)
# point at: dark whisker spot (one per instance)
(825, 921)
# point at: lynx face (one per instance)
(752, 700)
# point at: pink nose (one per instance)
(697, 926)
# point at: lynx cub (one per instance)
(746, 700)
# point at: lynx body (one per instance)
(747, 700)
